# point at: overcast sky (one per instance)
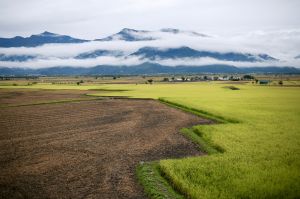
(97, 18)
(245, 26)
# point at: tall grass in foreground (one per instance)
(261, 157)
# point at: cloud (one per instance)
(51, 62)
(117, 61)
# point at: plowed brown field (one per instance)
(87, 149)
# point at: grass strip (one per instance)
(198, 112)
(155, 185)
(50, 102)
(205, 144)
(108, 90)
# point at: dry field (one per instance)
(17, 97)
(86, 149)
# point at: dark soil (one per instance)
(87, 149)
(15, 97)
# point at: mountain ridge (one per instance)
(38, 40)
(186, 52)
(144, 68)
(126, 34)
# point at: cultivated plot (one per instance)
(87, 149)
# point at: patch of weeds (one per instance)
(155, 185)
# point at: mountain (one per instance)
(13, 58)
(99, 53)
(177, 31)
(186, 52)
(38, 40)
(271, 69)
(127, 34)
(144, 68)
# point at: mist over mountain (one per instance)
(167, 47)
(99, 53)
(127, 34)
(177, 31)
(14, 58)
(186, 52)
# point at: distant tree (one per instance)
(173, 78)
(256, 81)
(114, 77)
(80, 82)
(280, 83)
(166, 79)
(248, 77)
(183, 78)
(150, 81)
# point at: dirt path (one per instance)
(87, 149)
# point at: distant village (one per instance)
(215, 78)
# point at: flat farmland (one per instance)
(17, 97)
(86, 149)
(256, 144)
